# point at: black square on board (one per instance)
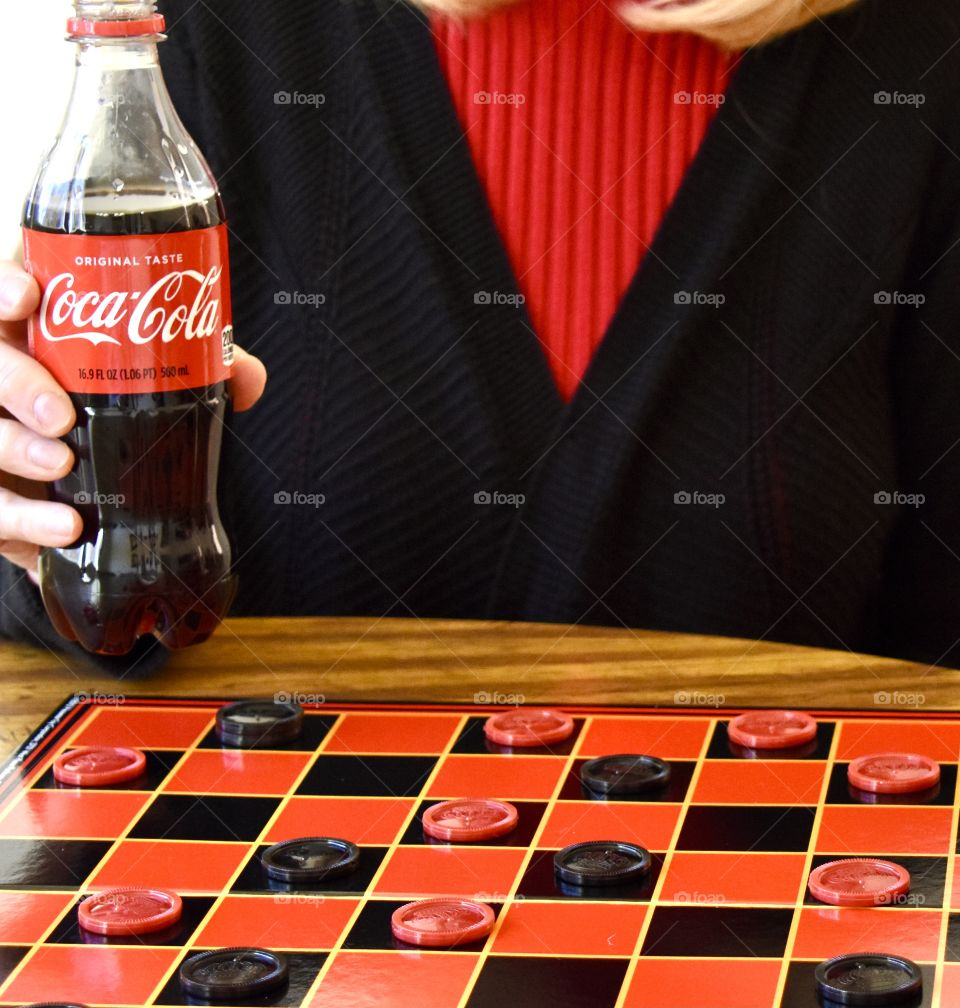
(539, 881)
(717, 931)
(303, 969)
(928, 878)
(159, 764)
(681, 773)
(839, 791)
(49, 864)
(195, 908)
(721, 748)
(541, 982)
(387, 776)
(207, 817)
(952, 951)
(472, 741)
(800, 990)
(746, 828)
(10, 956)
(529, 815)
(316, 727)
(371, 929)
(253, 878)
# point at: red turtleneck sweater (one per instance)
(581, 130)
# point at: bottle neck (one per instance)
(97, 57)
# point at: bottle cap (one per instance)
(120, 28)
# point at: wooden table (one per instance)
(458, 661)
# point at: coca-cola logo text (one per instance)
(164, 311)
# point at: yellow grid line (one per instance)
(654, 900)
(251, 847)
(364, 897)
(38, 944)
(508, 902)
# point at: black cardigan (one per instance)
(820, 211)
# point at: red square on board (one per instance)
(873, 829)
(145, 728)
(938, 740)
(824, 932)
(393, 733)
(556, 928)
(87, 814)
(237, 771)
(277, 921)
(666, 737)
(760, 782)
(955, 887)
(185, 866)
(695, 983)
(362, 820)
(950, 991)
(651, 826)
(91, 974)
(464, 871)
(400, 979)
(26, 916)
(498, 776)
(712, 878)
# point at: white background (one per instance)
(36, 69)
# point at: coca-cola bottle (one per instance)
(124, 230)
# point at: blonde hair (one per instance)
(732, 24)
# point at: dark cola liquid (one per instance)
(153, 556)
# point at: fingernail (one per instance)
(48, 454)
(12, 291)
(59, 523)
(52, 409)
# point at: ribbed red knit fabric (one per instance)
(581, 130)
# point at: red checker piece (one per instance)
(442, 923)
(528, 726)
(130, 911)
(893, 773)
(859, 882)
(99, 766)
(469, 819)
(778, 729)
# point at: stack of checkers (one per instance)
(258, 724)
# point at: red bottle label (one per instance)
(144, 313)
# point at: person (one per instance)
(644, 317)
